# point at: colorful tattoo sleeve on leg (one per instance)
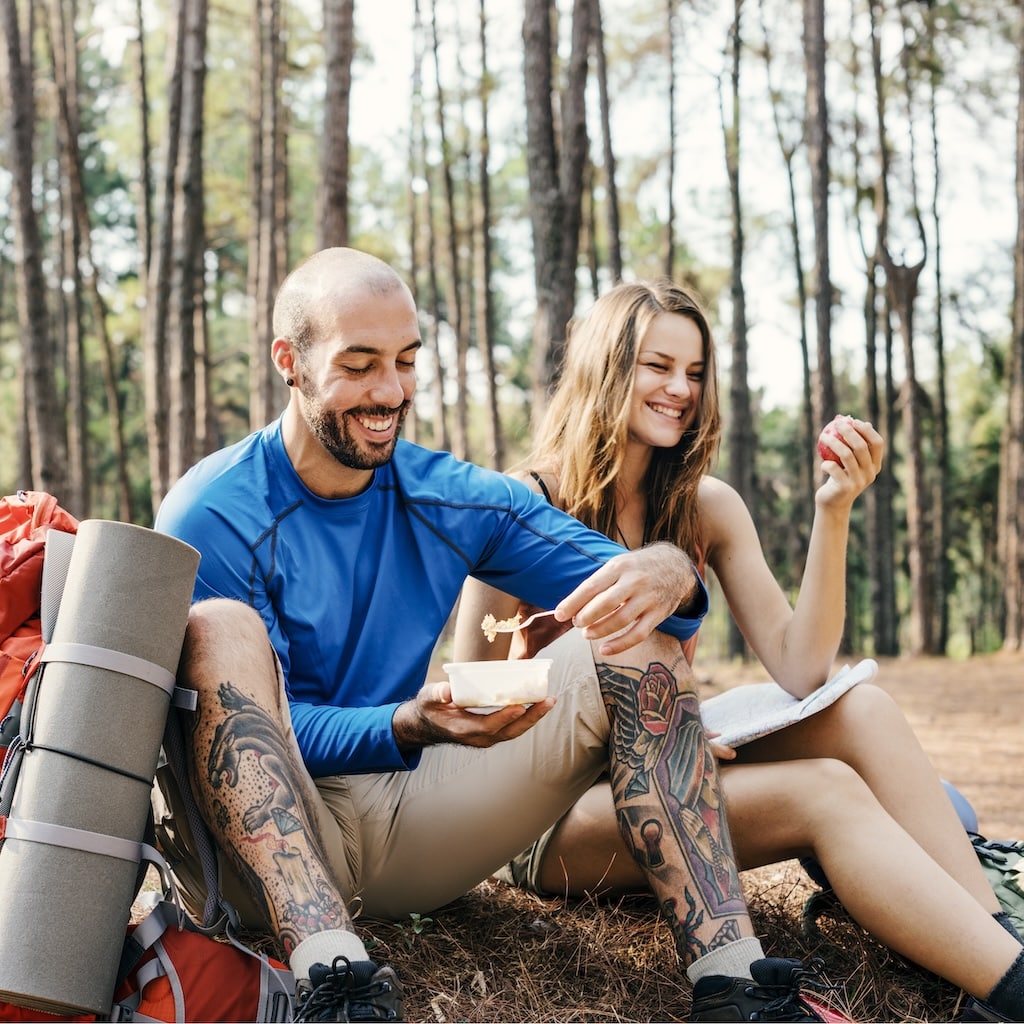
(667, 798)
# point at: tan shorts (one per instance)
(409, 842)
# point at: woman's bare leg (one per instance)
(883, 877)
(866, 730)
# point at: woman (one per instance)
(627, 446)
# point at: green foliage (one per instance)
(417, 926)
(975, 109)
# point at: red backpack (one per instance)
(25, 519)
(171, 970)
(184, 976)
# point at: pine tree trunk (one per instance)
(47, 446)
(485, 259)
(1011, 522)
(741, 422)
(556, 176)
(332, 198)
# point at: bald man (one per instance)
(333, 554)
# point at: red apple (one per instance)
(831, 429)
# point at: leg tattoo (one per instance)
(665, 783)
(261, 822)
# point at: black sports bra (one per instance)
(543, 486)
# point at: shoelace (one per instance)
(809, 976)
(339, 990)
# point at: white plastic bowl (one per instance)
(489, 685)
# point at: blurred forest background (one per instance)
(841, 179)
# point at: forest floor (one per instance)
(498, 954)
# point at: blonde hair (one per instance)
(582, 438)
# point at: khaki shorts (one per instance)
(409, 842)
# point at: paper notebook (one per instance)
(752, 710)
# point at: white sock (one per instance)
(323, 947)
(732, 960)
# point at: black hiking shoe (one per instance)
(976, 1010)
(349, 991)
(774, 994)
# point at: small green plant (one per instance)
(417, 926)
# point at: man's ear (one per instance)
(282, 352)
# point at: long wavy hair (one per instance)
(582, 438)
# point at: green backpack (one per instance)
(1002, 860)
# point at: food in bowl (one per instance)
(489, 685)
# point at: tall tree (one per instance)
(1011, 522)
(267, 237)
(187, 309)
(47, 445)
(789, 144)
(943, 491)
(671, 19)
(818, 156)
(332, 197)
(158, 295)
(144, 185)
(742, 471)
(485, 259)
(85, 275)
(608, 150)
(880, 403)
(902, 284)
(555, 174)
(456, 298)
(64, 60)
(416, 174)
(423, 173)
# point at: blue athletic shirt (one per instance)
(356, 591)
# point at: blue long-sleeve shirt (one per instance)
(356, 591)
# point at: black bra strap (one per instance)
(542, 485)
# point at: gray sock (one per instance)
(732, 960)
(323, 947)
(1007, 997)
(1004, 919)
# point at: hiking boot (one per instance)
(349, 991)
(976, 1010)
(774, 994)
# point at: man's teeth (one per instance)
(376, 422)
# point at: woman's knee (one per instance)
(866, 707)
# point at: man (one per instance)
(328, 770)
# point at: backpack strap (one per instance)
(277, 984)
(113, 661)
(89, 842)
(216, 907)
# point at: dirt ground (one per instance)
(969, 716)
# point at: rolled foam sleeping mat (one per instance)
(93, 729)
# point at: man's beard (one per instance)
(331, 430)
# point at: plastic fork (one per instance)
(502, 628)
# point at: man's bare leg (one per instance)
(667, 797)
(245, 777)
(250, 787)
